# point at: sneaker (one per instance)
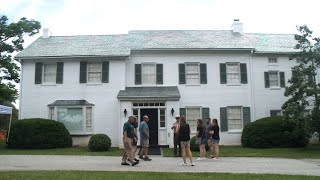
(147, 159)
(140, 157)
(136, 159)
(204, 158)
(215, 158)
(125, 164)
(183, 164)
(134, 163)
(192, 164)
(199, 159)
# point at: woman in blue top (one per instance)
(184, 136)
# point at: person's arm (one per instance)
(197, 133)
(178, 129)
(125, 137)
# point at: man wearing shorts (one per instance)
(144, 138)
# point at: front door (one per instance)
(153, 124)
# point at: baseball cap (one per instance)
(177, 116)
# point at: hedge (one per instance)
(99, 142)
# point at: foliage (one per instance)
(38, 134)
(303, 89)
(194, 146)
(273, 132)
(11, 40)
(99, 142)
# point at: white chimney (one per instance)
(45, 33)
(237, 26)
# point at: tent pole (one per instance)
(9, 127)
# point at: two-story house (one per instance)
(92, 83)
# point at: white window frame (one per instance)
(143, 74)
(273, 60)
(164, 115)
(228, 73)
(193, 129)
(43, 73)
(241, 118)
(278, 76)
(94, 82)
(192, 73)
(84, 118)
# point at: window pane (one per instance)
(49, 73)
(273, 78)
(149, 73)
(71, 118)
(233, 73)
(234, 118)
(192, 115)
(192, 73)
(89, 119)
(94, 72)
(273, 60)
(51, 113)
(162, 118)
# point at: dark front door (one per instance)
(153, 124)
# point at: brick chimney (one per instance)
(237, 26)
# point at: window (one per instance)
(192, 73)
(233, 73)
(162, 118)
(192, 115)
(234, 115)
(89, 119)
(94, 72)
(49, 73)
(275, 113)
(274, 78)
(149, 73)
(51, 112)
(272, 60)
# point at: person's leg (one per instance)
(210, 144)
(189, 154)
(216, 149)
(201, 150)
(184, 155)
(175, 145)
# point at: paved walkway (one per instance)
(161, 164)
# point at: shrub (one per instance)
(194, 146)
(273, 132)
(99, 142)
(38, 134)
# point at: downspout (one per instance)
(252, 87)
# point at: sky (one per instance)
(97, 17)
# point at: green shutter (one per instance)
(105, 72)
(282, 80)
(266, 80)
(224, 119)
(246, 115)
(159, 73)
(38, 73)
(83, 72)
(182, 74)
(183, 112)
(203, 73)
(243, 70)
(59, 75)
(223, 73)
(138, 74)
(205, 113)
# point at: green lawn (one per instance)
(87, 175)
(60, 151)
(311, 151)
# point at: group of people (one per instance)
(207, 133)
(130, 140)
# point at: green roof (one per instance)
(121, 45)
(71, 103)
(152, 93)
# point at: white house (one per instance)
(92, 83)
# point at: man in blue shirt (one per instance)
(144, 138)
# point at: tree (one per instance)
(11, 40)
(303, 89)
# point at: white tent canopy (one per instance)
(6, 110)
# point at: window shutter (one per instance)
(282, 80)
(105, 72)
(203, 73)
(205, 113)
(246, 115)
(138, 74)
(243, 70)
(266, 80)
(182, 74)
(83, 72)
(224, 119)
(183, 112)
(223, 73)
(159, 73)
(38, 73)
(59, 75)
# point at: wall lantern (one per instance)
(172, 112)
(125, 112)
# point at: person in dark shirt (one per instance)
(128, 135)
(135, 139)
(215, 138)
(184, 136)
(201, 139)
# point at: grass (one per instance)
(80, 151)
(142, 175)
(311, 151)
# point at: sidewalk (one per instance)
(309, 167)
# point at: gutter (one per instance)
(252, 87)
(126, 57)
